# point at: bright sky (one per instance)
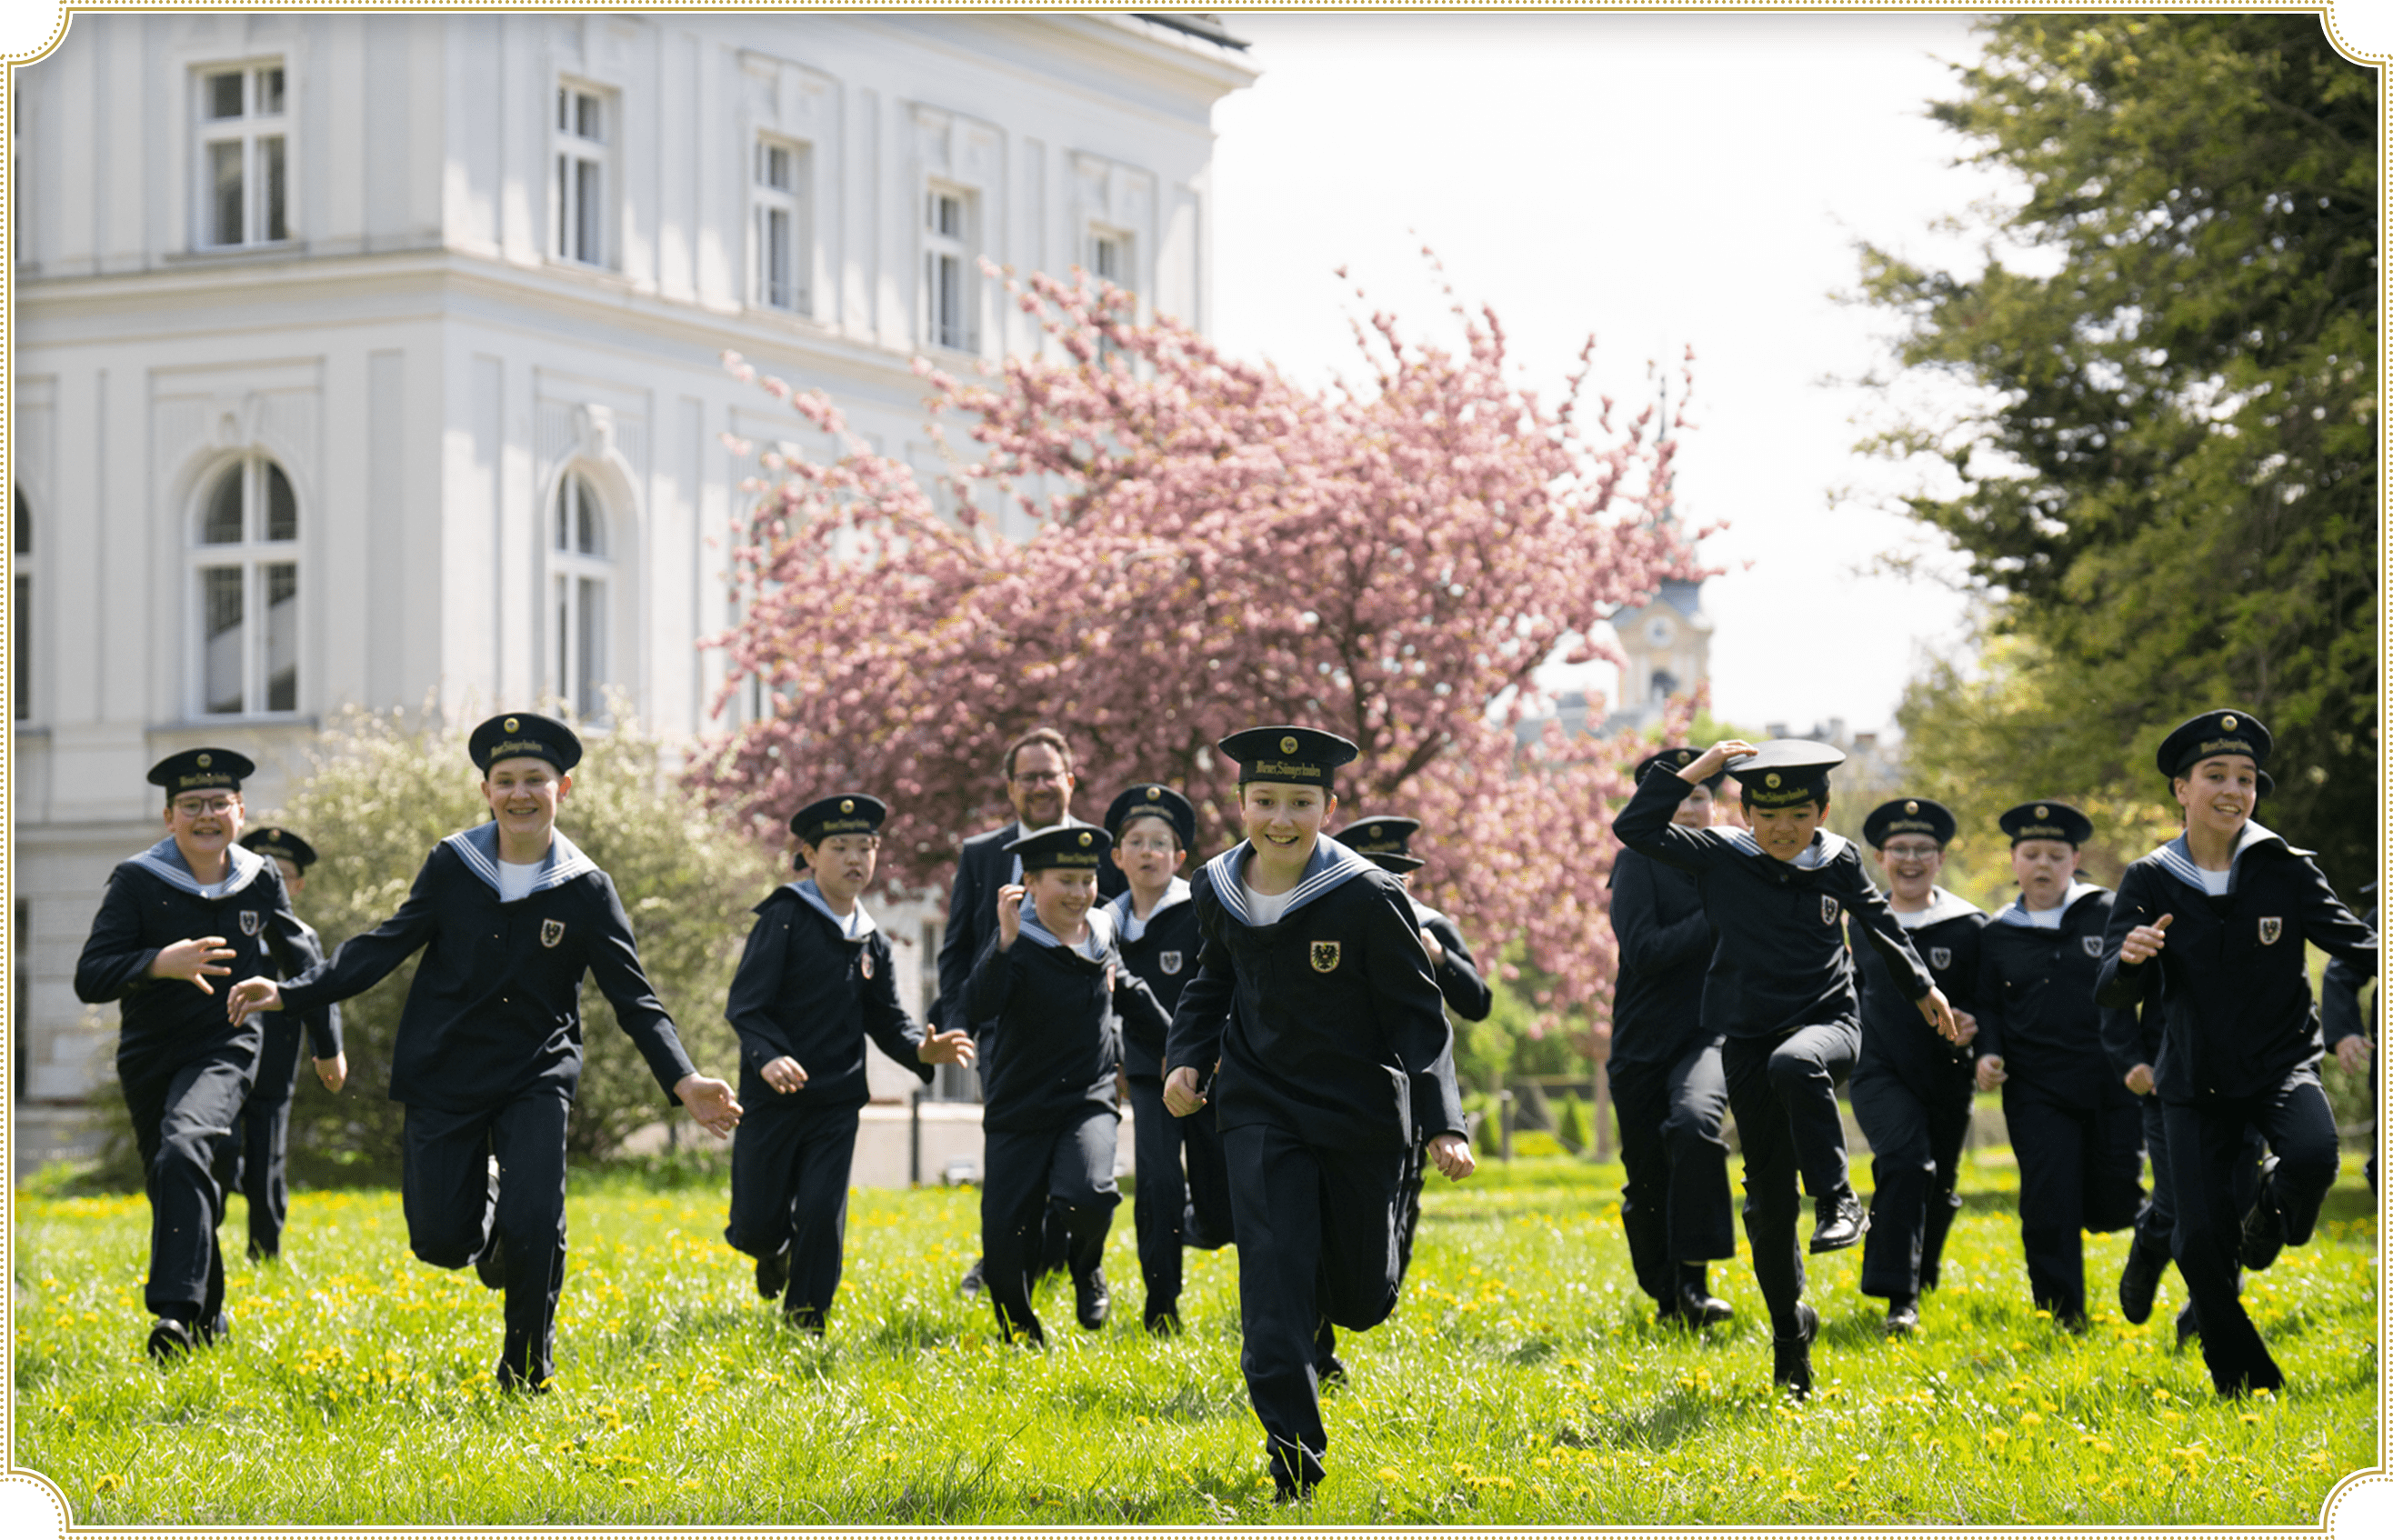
(1661, 181)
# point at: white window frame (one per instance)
(258, 141)
(1112, 256)
(581, 595)
(950, 314)
(22, 603)
(257, 559)
(790, 290)
(581, 176)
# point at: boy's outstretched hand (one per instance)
(946, 1048)
(250, 995)
(1938, 1012)
(710, 1102)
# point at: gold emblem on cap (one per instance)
(847, 804)
(1911, 807)
(1155, 793)
(1771, 780)
(1085, 838)
(510, 725)
(2227, 722)
(1685, 755)
(2041, 811)
(205, 761)
(1287, 746)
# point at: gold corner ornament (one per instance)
(1288, 745)
(511, 725)
(847, 804)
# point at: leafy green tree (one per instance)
(2168, 484)
(386, 789)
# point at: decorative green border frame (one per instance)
(29, 28)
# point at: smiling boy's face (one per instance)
(1283, 818)
(523, 794)
(204, 823)
(1062, 894)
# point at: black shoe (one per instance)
(974, 1278)
(1901, 1318)
(2188, 1326)
(1790, 1357)
(1293, 1494)
(491, 1265)
(1091, 1299)
(1331, 1373)
(2264, 1228)
(1164, 1322)
(2073, 1321)
(214, 1329)
(1841, 1224)
(2139, 1280)
(1697, 1307)
(514, 1379)
(169, 1339)
(1926, 1280)
(773, 1272)
(805, 1318)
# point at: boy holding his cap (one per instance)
(509, 914)
(1313, 997)
(1781, 990)
(2225, 910)
(1047, 992)
(816, 980)
(193, 906)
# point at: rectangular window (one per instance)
(779, 196)
(950, 295)
(579, 202)
(222, 659)
(244, 159)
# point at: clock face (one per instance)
(1658, 633)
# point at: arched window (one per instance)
(20, 613)
(578, 577)
(245, 566)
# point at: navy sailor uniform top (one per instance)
(2236, 1011)
(1662, 939)
(983, 866)
(495, 1010)
(1895, 1038)
(1048, 1022)
(808, 990)
(1160, 949)
(2035, 996)
(1781, 961)
(1321, 1021)
(152, 903)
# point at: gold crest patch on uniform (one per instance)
(864, 963)
(1168, 961)
(2093, 945)
(2271, 927)
(1324, 957)
(1829, 909)
(551, 931)
(1939, 956)
(251, 919)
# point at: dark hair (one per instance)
(1046, 737)
(1160, 814)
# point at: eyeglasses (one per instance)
(1157, 845)
(199, 807)
(1911, 853)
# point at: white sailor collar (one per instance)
(479, 848)
(1126, 922)
(1101, 930)
(1941, 907)
(1825, 847)
(2015, 912)
(2177, 857)
(164, 861)
(1331, 864)
(811, 895)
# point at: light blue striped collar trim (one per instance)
(1825, 847)
(1101, 930)
(164, 861)
(1127, 924)
(2176, 858)
(1331, 864)
(2015, 912)
(810, 894)
(1941, 907)
(480, 848)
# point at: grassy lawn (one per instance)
(1521, 1382)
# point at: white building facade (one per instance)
(374, 358)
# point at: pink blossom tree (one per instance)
(1213, 547)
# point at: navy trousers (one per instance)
(1916, 1135)
(2080, 1168)
(1782, 1091)
(1674, 1205)
(1172, 1206)
(182, 1117)
(1068, 1167)
(790, 1167)
(457, 1207)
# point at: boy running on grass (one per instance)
(1780, 988)
(1045, 993)
(1313, 997)
(509, 914)
(815, 981)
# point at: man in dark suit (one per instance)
(1039, 783)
